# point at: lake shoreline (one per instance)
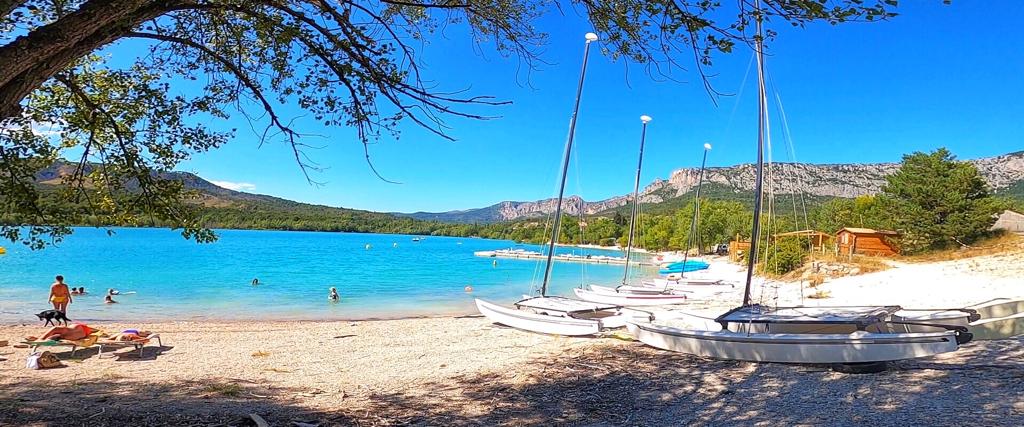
(465, 370)
(378, 276)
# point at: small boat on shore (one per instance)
(682, 281)
(690, 263)
(610, 295)
(845, 336)
(687, 267)
(830, 335)
(995, 319)
(554, 314)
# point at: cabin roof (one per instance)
(1009, 212)
(803, 233)
(856, 230)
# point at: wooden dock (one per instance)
(588, 259)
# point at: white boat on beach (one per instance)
(557, 315)
(608, 295)
(681, 281)
(848, 336)
(744, 335)
(999, 318)
(553, 314)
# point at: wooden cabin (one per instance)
(1010, 221)
(866, 241)
(819, 240)
(738, 247)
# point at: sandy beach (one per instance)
(467, 371)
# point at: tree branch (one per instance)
(246, 81)
(8, 6)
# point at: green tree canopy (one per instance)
(937, 201)
(863, 211)
(346, 63)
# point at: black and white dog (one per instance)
(53, 317)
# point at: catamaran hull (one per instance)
(629, 300)
(553, 323)
(688, 292)
(685, 281)
(997, 319)
(858, 347)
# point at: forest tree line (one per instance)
(933, 200)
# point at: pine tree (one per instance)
(936, 201)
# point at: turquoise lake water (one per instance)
(175, 279)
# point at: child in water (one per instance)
(333, 296)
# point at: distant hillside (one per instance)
(818, 183)
(224, 208)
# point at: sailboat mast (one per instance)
(694, 233)
(636, 197)
(762, 117)
(565, 166)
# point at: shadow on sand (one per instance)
(615, 384)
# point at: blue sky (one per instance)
(937, 75)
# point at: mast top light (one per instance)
(645, 119)
(707, 146)
(591, 37)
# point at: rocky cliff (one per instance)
(828, 180)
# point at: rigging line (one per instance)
(771, 244)
(739, 95)
(792, 151)
(578, 168)
(534, 283)
(756, 228)
(565, 167)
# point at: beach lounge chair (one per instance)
(115, 343)
(86, 342)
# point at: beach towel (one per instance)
(44, 360)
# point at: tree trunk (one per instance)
(8, 6)
(30, 60)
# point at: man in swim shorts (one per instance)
(60, 296)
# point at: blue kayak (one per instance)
(689, 263)
(684, 267)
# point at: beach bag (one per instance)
(44, 360)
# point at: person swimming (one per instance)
(109, 299)
(113, 291)
(333, 295)
(255, 281)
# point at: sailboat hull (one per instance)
(551, 321)
(1000, 318)
(628, 299)
(857, 347)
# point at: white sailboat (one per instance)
(836, 335)
(629, 295)
(553, 314)
(995, 319)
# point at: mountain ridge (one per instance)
(844, 180)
